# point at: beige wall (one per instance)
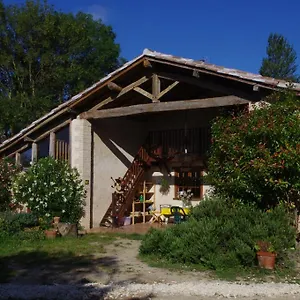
(116, 142)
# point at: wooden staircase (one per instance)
(121, 201)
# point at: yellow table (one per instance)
(166, 211)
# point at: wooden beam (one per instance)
(168, 89)
(155, 88)
(213, 73)
(53, 129)
(114, 87)
(164, 107)
(256, 88)
(28, 139)
(144, 93)
(125, 90)
(147, 63)
(205, 84)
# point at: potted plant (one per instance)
(265, 254)
(164, 186)
(46, 225)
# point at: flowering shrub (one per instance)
(7, 171)
(51, 188)
(255, 157)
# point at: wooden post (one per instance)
(52, 144)
(18, 159)
(202, 184)
(34, 153)
(155, 88)
(133, 211)
(115, 221)
(144, 202)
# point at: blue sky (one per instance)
(232, 33)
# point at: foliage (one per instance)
(221, 234)
(264, 246)
(7, 171)
(255, 156)
(13, 223)
(47, 56)
(164, 186)
(281, 59)
(51, 188)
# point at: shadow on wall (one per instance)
(121, 136)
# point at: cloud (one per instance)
(98, 12)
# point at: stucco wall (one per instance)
(81, 137)
(116, 142)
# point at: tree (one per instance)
(47, 56)
(281, 59)
(255, 157)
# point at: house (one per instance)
(148, 124)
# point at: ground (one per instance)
(115, 272)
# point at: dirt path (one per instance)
(130, 268)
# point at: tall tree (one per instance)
(45, 57)
(281, 59)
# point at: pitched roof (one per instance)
(201, 66)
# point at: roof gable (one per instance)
(197, 66)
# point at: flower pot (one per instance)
(50, 234)
(56, 220)
(266, 260)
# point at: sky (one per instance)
(230, 33)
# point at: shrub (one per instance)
(12, 223)
(221, 234)
(7, 171)
(255, 156)
(51, 188)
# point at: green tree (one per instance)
(281, 59)
(47, 56)
(255, 157)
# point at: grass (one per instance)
(61, 255)
(20, 256)
(80, 246)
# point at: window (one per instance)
(63, 134)
(25, 158)
(43, 148)
(189, 179)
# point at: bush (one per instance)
(13, 223)
(221, 234)
(7, 171)
(19, 227)
(51, 188)
(255, 156)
